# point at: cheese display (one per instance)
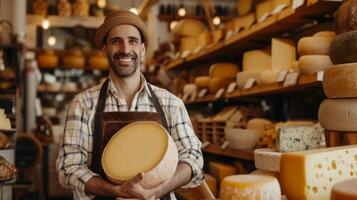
(279, 5)
(223, 70)
(345, 190)
(283, 53)
(244, 22)
(220, 170)
(47, 59)
(188, 27)
(202, 81)
(325, 34)
(250, 186)
(98, 61)
(260, 125)
(4, 122)
(263, 10)
(310, 174)
(140, 147)
(188, 44)
(267, 77)
(244, 7)
(338, 114)
(241, 138)
(340, 81)
(204, 39)
(298, 138)
(313, 63)
(190, 88)
(256, 60)
(314, 45)
(217, 35)
(267, 159)
(73, 59)
(243, 77)
(343, 48)
(217, 83)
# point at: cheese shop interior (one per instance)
(267, 84)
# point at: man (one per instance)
(124, 39)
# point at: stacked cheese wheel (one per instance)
(314, 52)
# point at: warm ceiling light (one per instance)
(51, 40)
(173, 24)
(216, 20)
(181, 11)
(101, 3)
(45, 23)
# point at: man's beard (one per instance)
(124, 70)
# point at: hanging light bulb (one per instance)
(216, 20)
(101, 3)
(45, 23)
(173, 24)
(52, 40)
(133, 9)
(181, 11)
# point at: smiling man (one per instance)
(124, 39)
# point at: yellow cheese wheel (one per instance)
(188, 27)
(47, 59)
(204, 39)
(340, 81)
(73, 59)
(256, 60)
(313, 63)
(345, 190)
(223, 70)
(243, 77)
(188, 44)
(202, 81)
(314, 45)
(140, 147)
(244, 22)
(217, 83)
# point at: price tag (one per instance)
(231, 87)
(185, 97)
(185, 54)
(219, 93)
(291, 79)
(198, 49)
(237, 30)
(320, 75)
(278, 9)
(193, 97)
(229, 34)
(249, 84)
(202, 93)
(263, 17)
(205, 144)
(282, 75)
(225, 145)
(297, 3)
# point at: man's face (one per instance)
(124, 50)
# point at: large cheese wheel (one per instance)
(325, 34)
(223, 70)
(263, 10)
(344, 48)
(188, 27)
(267, 159)
(190, 88)
(245, 6)
(313, 63)
(47, 59)
(340, 81)
(73, 59)
(283, 53)
(267, 77)
(311, 174)
(220, 170)
(188, 44)
(244, 22)
(345, 19)
(250, 186)
(202, 81)
(243, 77)
(345, 190)
(204, 39)
(217, 83)
(140, 147)
(98, 61)
(338, 114)
(314, 45)
(256, 60)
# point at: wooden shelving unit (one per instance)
(250, 38)
(233, 153)
(66, 21)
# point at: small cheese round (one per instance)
(345, 190)
(313, 63)
(202, 81)
(314, 45)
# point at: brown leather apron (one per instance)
(106, 124)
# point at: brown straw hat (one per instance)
(119, 17)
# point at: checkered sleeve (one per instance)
(72, 159)
(188, 145)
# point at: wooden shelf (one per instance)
(66, 21)
(250, 38)
(7, 96)
(304, 81)
(233, 153)
(201, 18)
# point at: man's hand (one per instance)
(132, 188)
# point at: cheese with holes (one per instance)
(188, 44)
(140, 147)
(4, 122)
(267, 160)
(217, 83)
(298, 138)
(310, 174)
(243, 77)
(250, 186)
(189, 88)
(244, 7)
(212, 183)
(256, 60)
(343, 48)
(338, 114)
(223, 70)
(202, 81)
(260, 125)
(264, 10)
(188, 27)
(283, 53)
(279, 5)
(325, 34)
(204, 39)
(220, 170)
(314, 45)
(244, 22)
(267, 77)
(340, 81)
(313, 63)
(345, 190)
(217, 35)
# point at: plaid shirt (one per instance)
(75, 152)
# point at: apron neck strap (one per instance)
(158, 108)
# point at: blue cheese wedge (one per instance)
(298, 138)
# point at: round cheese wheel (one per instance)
(217, 83)
(202, 81)
(73, 59)
(314, 45)
(258, 187)
(345, 190)
(345, 19)
(223, 70)
(188, 27)
(267, 77)
(338, 114)
(340, 81)
(140, 147)
(47, 59)
(98, 61)
(344, 48)
(313, 63)
(325, 34)
(242, 77)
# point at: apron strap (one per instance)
(97, 139)
(158, 108)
